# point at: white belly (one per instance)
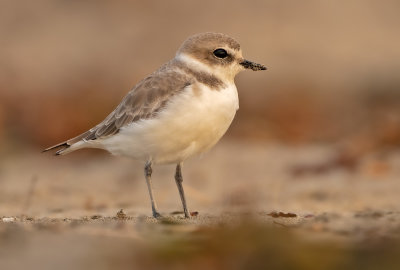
(191, 123)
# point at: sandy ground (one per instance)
(61, 212)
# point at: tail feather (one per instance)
(64, 146)
(71, 144)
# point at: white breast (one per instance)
(191, 123)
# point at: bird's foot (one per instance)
(157, 214)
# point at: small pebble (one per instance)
(121, 214)
(8, 219)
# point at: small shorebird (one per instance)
(180, 110)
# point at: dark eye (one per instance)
(220, 53)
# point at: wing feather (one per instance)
(144, 101)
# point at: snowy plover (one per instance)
(180, 110)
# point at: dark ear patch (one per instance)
(202, 77)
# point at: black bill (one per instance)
(252, 65)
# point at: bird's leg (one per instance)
(147, 173)
(179, 180)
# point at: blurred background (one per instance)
(317, 134)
